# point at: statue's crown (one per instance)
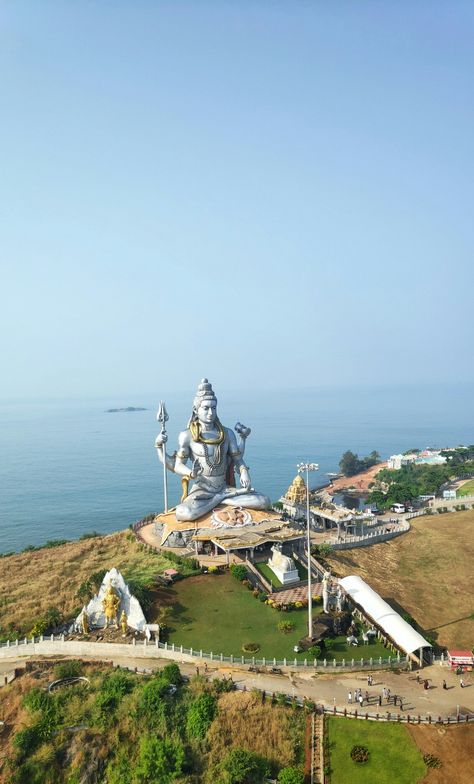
(204, 391)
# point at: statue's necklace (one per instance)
(217, 441)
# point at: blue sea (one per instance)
(68, 467)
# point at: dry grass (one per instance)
(32, 582)
(454, 746)
(244, 721)
(428, 572)
(16, 717)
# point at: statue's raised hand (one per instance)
(245, 479)
(242, 431)
(161, 440)
(196, 470)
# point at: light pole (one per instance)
(307, 467)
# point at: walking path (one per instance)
(331, 690)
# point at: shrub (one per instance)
(171, 673)
(286, 627)
(140, 589)
(360, 754)
(159, 761)
(328, 644)
(36, 700)
(238, 571)
(152, 705)
(291, 775)
(113, 688)
(200, 715)
(52, 618)
(431, 761)
(314, 651)
(26, 741)
(118, 770)
(262, 597)
(89, 535)
(213, 570)
(244, 767)
(222, 685)
(250, 647)
(68, 669)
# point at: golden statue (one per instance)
(123, 622)
(110, 605)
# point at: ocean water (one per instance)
(68, 467)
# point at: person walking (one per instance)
(461, 683)
(380, 700)
(349, 698)
(361, 700)
(444, 685)
(395, 700)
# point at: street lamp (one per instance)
(307, 467)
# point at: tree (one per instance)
(159, 761)
(291, 775)
(244, 767)
(349, 463)
(200, 715)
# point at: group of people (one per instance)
(385, 694)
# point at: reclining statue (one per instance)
(215, 455)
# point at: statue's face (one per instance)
(207, 411)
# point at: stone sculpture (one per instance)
(83, 621)
(215, 454)
(326, 591)
(95, 611)
(283, 566)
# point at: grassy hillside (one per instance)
(124, 728)
(31, 583)
(428, 572)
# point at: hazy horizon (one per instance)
(274, 195)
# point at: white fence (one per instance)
(55, 645)
(58, 645)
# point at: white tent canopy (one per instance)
(402, 634)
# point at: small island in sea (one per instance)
(129, 408)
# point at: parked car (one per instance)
(398, 508)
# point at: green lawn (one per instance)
(394, 756)
(467, 489)
(217, 613)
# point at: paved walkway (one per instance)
(296, 594)
(332, 689)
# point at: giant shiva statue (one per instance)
(215, 455)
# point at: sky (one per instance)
(263, 193)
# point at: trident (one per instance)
(162, 416)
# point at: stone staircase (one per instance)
(317, 761)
